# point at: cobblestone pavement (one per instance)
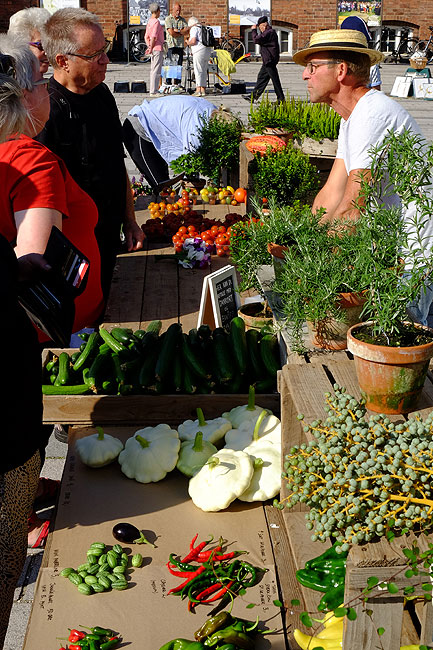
(292, 83)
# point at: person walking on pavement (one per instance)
(176, 28)
(267, 38)
(154, 38)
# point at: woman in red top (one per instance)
(37, 190)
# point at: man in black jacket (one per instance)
(267, 38)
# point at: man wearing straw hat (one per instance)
(337, 70)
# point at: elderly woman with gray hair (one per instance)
(200, 56)
(27, 24)
(154, 38)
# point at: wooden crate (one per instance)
(302, 389)
(136, 409)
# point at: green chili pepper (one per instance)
(94, 645)
(101, 631)
(230, 635)
(227, 646)
(332, 599)
(182, 644)
(109, 644)
(213, 624)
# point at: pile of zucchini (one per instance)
(123, 362)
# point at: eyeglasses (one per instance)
(96, 55)
(7, 66)
(312, 67)
(38, 45)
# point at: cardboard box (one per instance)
(93, 500)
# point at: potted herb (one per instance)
(322, 282)
(284, 176)
(218, 148)
(392, 352)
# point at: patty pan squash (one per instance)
(225, 476)
(150, 453)
(99, 449)
(212, 430)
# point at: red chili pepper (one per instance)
(179, 574)
(208, 591)
(204, 557)
(76, 635)
(195, 550)
(220, 593)
(192, 575)
(75, 647)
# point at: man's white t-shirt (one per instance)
(373, 116)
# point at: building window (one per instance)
(389, 36)
(285, 40)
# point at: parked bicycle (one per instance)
(137, 48)
(405, 49)
(234, 46)
(426, 47)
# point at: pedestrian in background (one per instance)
(267, 38)
(154, 38)
(28, 24)
(176, 28)
(200, 56)
(355, 22)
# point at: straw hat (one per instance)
(329, 40)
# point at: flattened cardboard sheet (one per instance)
(91, 502)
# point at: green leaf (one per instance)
(295, 602)
(251, 605)
(390, 536)
(392, 588)
(351, 614)
(427, 586)
(369, 612)
(409, 573)
(278, 603)
(305, 619)
(372, 582)
(408, 590)
(380, 631)
(409, 553)
(340, 611)
(242, 592)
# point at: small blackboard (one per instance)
(219, 299)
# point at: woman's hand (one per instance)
(32, 266)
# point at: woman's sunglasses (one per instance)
(38, 45)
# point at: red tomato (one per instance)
(182, 229)
(214, 230)
(192, 229)
(203, 234)
(240, 195)
(220, 252)
(178, 248)
(209, 242)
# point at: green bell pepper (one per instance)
(182, 644)
(321, 580)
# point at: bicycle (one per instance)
(137, 48)
(405, 49)
(426, 47)
(233, 45)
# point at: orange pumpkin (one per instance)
(261, 143)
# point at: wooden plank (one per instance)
(126, 293)
(136, 409)
(161, 290)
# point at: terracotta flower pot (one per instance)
(277, 253)
(254, 316)
(390, 378)
(331, 334)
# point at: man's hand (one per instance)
(134, 236)
(31, 266)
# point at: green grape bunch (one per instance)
(362, 478)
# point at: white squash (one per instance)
(194, 454)
(212, 430)
(266, 426)
(246, 413)
(150, 453)
(266, 481)
(98, 449)
(225, 476)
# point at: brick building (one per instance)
(294, 20)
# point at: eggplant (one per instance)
(128, 533)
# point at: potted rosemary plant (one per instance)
(392, 351)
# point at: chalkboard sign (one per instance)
(220, 298)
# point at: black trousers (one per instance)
(145, 156)
(267, 72)
(179, 52)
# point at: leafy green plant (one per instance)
(249, 239)
(218, 147)
(284, 176)
(295, 115)
(399, 257)
(319, 265)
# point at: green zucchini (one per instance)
(97, 371)
(269, 353)
(191, 359)
(204, 332)
(90, 349)
(79, 389)
(177, 371)
(122, 334)
(223, 365)
(255, 363)
(115, 345)
(189, 381)
(154, 327)
(140, 334)
(164, 365)
(53, 377)
(239, 343)
(267, 385)
(146, 375)
(53, 363)
(63, 378)
(74, 356)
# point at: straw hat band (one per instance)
(345, 44)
